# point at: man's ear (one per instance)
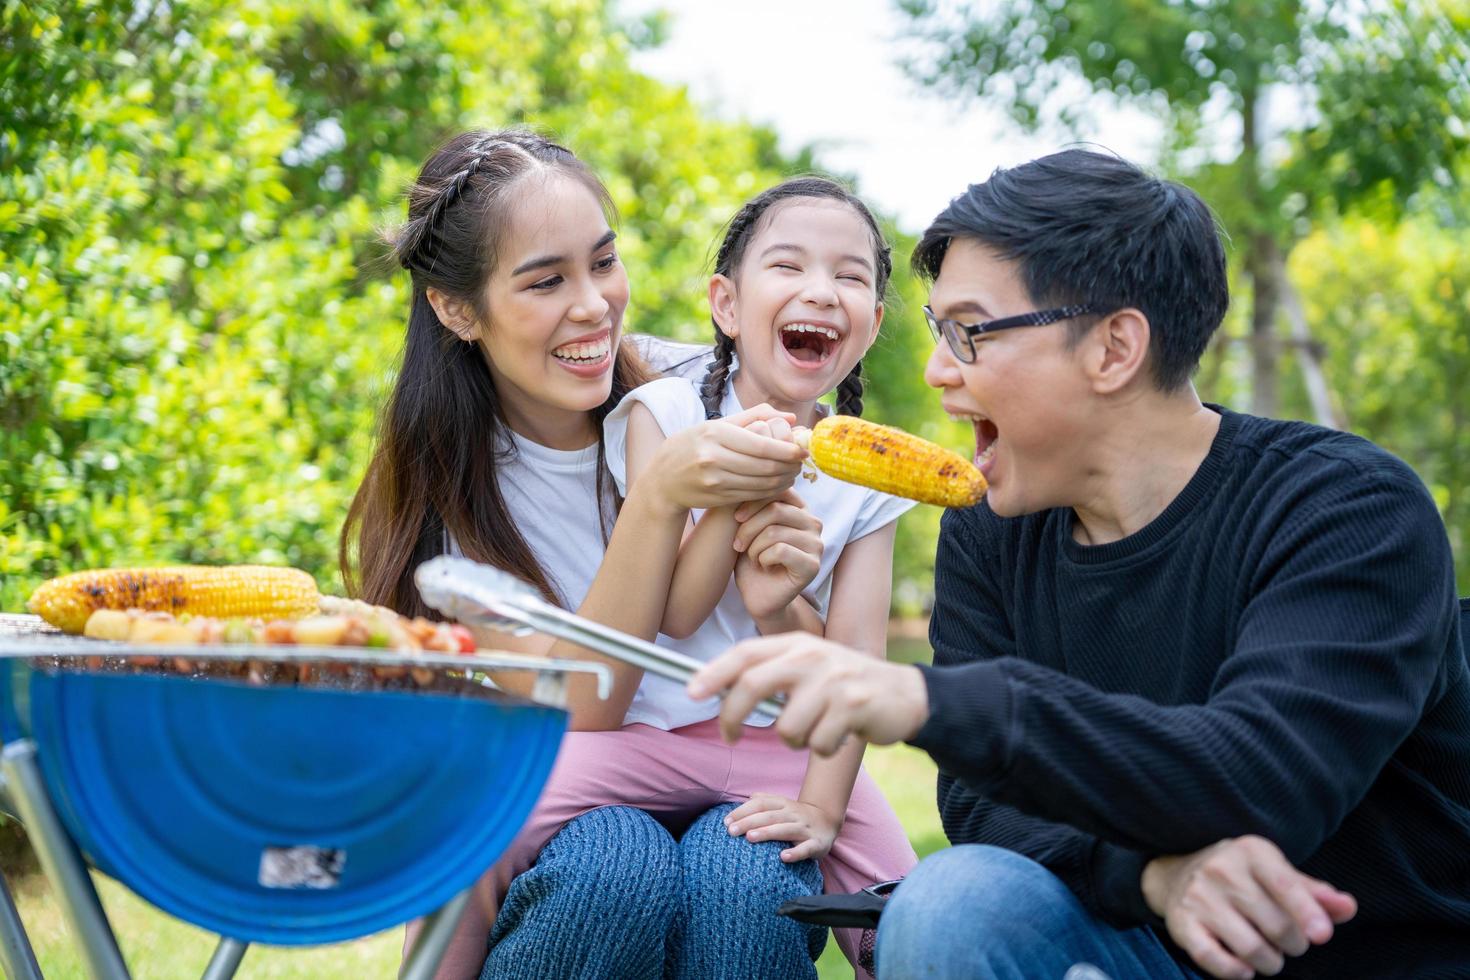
(1115, 350)
(455, 314)
(722, 304)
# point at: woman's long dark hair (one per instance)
(740, 231)
(442, 433)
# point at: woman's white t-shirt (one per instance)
(551, 495)
(847, 512)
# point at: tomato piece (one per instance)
(463, 637)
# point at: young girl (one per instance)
(491, 443)
(797, 300)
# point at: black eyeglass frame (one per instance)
(952, 330)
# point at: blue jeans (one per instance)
(614, 896)
(978, 911)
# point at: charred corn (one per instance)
(884, 458)
(262, 591)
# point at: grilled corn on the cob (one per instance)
(263, 591)
(884, 458)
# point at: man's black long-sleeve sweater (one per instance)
(1278, 653)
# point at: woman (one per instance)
(491, 447)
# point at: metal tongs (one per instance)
(479, 595)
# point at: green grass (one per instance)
(906, 776)
(159, 947)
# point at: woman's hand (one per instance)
(722, 462)
(780, 546)
(766, 816)
(1239, 907)
(776, 427)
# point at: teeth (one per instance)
(989, 452)
(957, 417)
(827, 332)
(588, 351)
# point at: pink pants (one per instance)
(675, 776)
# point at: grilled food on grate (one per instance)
(367, 626)
(263, 591)
(881, 457)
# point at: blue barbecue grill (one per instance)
(287, 816)
(284, 815)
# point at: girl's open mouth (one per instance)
(809, 344)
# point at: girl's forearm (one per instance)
(701, 572)
(703, 559)
(858, 617)
(829, 780)
(798, 616)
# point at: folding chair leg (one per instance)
(226, 959)
(433, 941)
(61, 861)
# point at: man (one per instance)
(1168, 625)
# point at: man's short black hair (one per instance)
(1088, 227)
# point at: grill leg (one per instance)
(61, 862)
(424, 958)
(17, 959)
(226, 959)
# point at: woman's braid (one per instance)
(427, 225)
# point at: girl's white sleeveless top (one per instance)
(847, 512)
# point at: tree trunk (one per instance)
(1265, 299)
(1260, 261)
(1308, 350)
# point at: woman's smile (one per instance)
(586, 357)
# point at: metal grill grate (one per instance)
(12, 625)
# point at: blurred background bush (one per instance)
(197, 330)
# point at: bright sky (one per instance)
(825, 72)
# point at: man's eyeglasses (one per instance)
(961, 336)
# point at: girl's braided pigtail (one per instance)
(850, 392)
(712, 390)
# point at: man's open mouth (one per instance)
(986, 436)
(809, 343)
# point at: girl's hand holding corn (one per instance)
(722, 462)
(779, 541)
(780, 546)
(766, 816)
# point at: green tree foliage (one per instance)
(1392, 308)
(1389, 300)
(196, 328)
(1352, 212)
(1384, 103)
